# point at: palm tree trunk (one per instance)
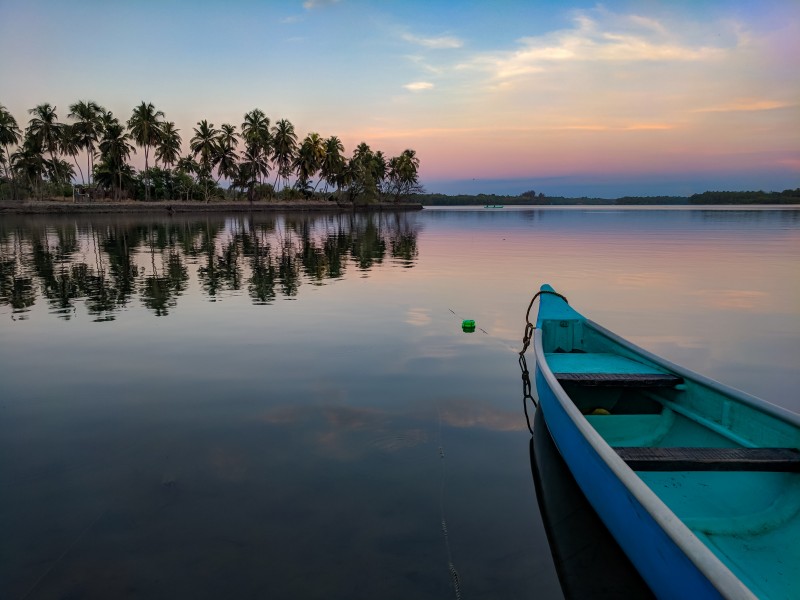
(75, 159)
(146, 175)
(10, 173)
(55, 167)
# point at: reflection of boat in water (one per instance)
(589, 562)
(697, 482)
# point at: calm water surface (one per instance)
(286, 406)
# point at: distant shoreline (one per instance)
(786, 197)
(36, 207)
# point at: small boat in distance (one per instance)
(493, 206)
(699, 483)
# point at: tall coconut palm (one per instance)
(253, 167)
(28, 163)
(257, 143)
(186, 167)
(255, 131)
(284, 147)
(309, 159)
(115, 149)
(145, 127)
(168, 150)
(225, 157)
(10, 134)
(333, 163)
(204, 144)
(228, 136)
(45, 129)
(403, 174)
(88, 127)
(54, 169)
(70, 144)
(379, 168)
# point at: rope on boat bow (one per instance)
(523, 364)
(529, 327)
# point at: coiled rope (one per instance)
(527, 394)
(529, 327)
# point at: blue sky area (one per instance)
(570, 98)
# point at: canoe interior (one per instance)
(746, 512)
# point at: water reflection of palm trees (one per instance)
(106, 263)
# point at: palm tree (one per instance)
(70, 144)
(225, 157)
(204, 143)
(58, 168)
(364, 172)
(88, 128)
(145, 128)
(186, 166)
(379, 168)
(310, 157)
(9, 134)
(253, 167)
(228, 136)
(29, 163)
(115, 150)
(255, 131)
(257, 144)
(45, 129)
(333, 163)
(403, 174)
(168, 150)
(284, 146)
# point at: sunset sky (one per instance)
(572, 98)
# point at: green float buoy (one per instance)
(468, 325)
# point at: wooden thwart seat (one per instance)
(607, 370)
(711, 459)
(642, 380)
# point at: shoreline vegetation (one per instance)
(530, 198)
(52, 206)
(259, 161)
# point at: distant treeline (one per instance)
(532, 199)
(784, 197)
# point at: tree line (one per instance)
(259, 160)
(532, 199)
(759, 197)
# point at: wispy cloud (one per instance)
(440, 42)
(312, 4)
(418, 86)
(422, 63)
(599, 37)
(748, 106)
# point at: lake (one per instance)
(286, 406)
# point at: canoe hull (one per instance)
(589, 561)
(661, 563)
(583, 374)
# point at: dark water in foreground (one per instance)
(286, 406)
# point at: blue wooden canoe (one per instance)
(699, 483)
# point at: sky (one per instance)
(567, 98)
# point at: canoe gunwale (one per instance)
(696, 551)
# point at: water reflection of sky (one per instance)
(277, 429)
